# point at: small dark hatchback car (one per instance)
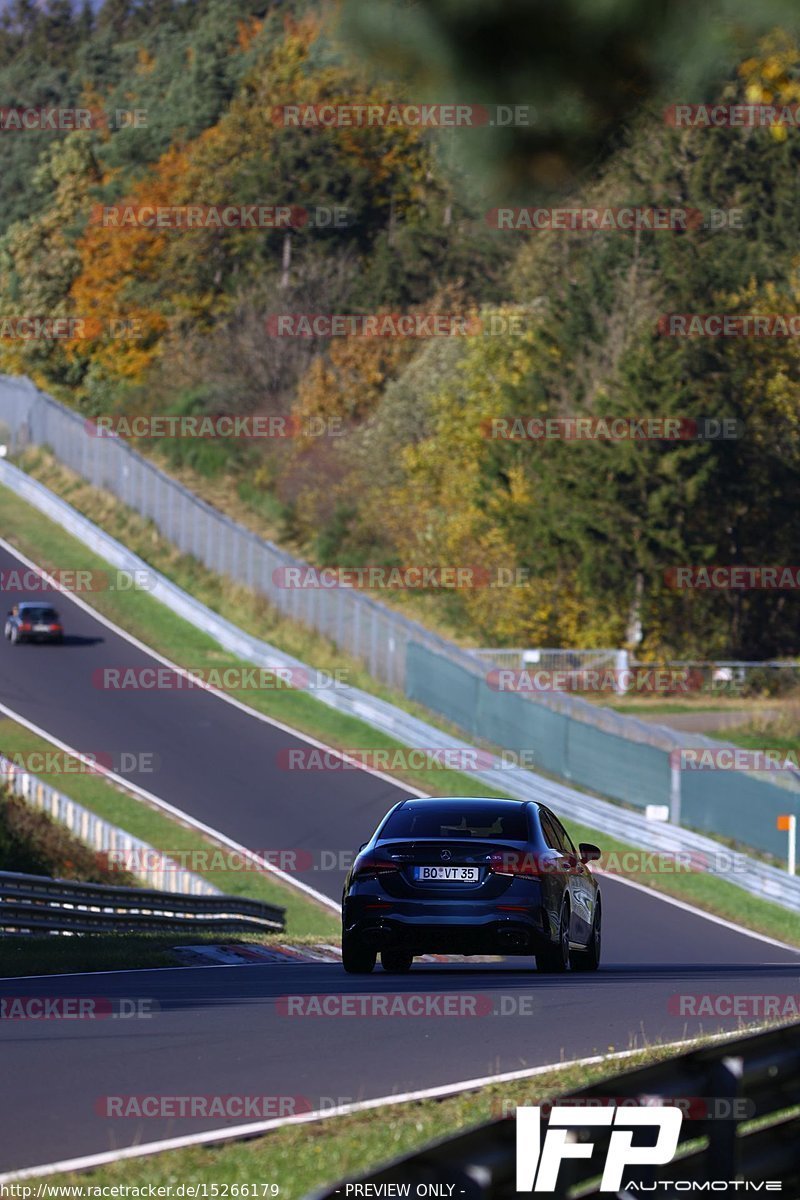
(33, 621)
(471, 876)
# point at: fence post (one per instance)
(250, 571)
(340, 618)
(373, 642)
(356, 640)
(674, 792)
(390, 659)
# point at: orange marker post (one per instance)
(788, 824)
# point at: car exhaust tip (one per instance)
(377, 934)
(515, 938)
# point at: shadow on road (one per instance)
(72, 640)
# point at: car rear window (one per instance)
(46, 615)
(458, 821)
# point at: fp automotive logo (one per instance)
(538, 1165)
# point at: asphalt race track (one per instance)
(219, 1031)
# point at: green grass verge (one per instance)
(302, 1158)
(673, 708)
(756, 737)
(137, 612)
(93, 952)
(115, 951)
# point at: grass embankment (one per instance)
(257, 511)
(32, 843)
(701, 703)
(138, 613)
(779, 733)
(235, 602)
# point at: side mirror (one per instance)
(361, 847)
(589, 852)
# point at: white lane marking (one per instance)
(146, 970)
(245, 1131)
(77, 600)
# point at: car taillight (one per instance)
(514, 862)
(55, 629)
(25, 626)
(372, 864)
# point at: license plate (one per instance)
(41, 629)
(448, 874)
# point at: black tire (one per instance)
(357, 959)
(396, 962)
(554, 960)
(589, 959)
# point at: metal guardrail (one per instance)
(763, 1071)
(756, 877)
(153, 868)
(34, 903)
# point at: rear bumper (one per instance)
(488, 932)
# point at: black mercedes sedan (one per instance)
(471, 876)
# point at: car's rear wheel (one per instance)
(589, 959)
(556, 958)
(397, 962)
(357, 959)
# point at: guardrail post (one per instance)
(725, 1080)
